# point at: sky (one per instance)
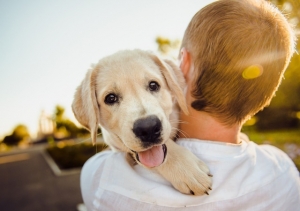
(46, 47)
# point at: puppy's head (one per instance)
(131, 94)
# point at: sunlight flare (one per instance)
(252, 71)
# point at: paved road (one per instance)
(28, 184)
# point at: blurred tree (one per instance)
(20, 133)
(59, 113)
(167, 46)
(65, 127)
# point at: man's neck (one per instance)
(201, 125)
(198, 124)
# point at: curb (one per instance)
(55, 169)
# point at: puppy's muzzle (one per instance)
(148, 130)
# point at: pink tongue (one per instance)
(152, 157)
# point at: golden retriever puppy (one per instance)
(134, 96)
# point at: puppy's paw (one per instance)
(194, 179)
(185, 171)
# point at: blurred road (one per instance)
(28, 184)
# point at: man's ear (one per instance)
(85, 106)
(185, 63)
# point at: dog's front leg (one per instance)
(185, 171)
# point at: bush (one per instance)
(276, 118)
(20, 133)
(75, 155)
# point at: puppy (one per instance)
(135, 97)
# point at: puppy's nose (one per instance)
(148, 129)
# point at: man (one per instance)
(233, 56)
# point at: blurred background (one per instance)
(46, 49)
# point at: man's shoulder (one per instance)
(275, 155)
(95, 170)
(276, 170)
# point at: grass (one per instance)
(286, 140)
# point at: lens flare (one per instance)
(298, 114)
(252, 71)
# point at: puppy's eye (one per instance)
(153, 86)
(111, 99)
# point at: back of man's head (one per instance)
(240, 50)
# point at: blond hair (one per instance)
(240, 50)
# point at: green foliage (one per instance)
(73, 156)
(66, 127)
(167, 46)
(59, 113)
(20, 133)
(277, 118)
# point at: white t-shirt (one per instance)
(245, 177)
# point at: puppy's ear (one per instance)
(174, 78)
(85, 106)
